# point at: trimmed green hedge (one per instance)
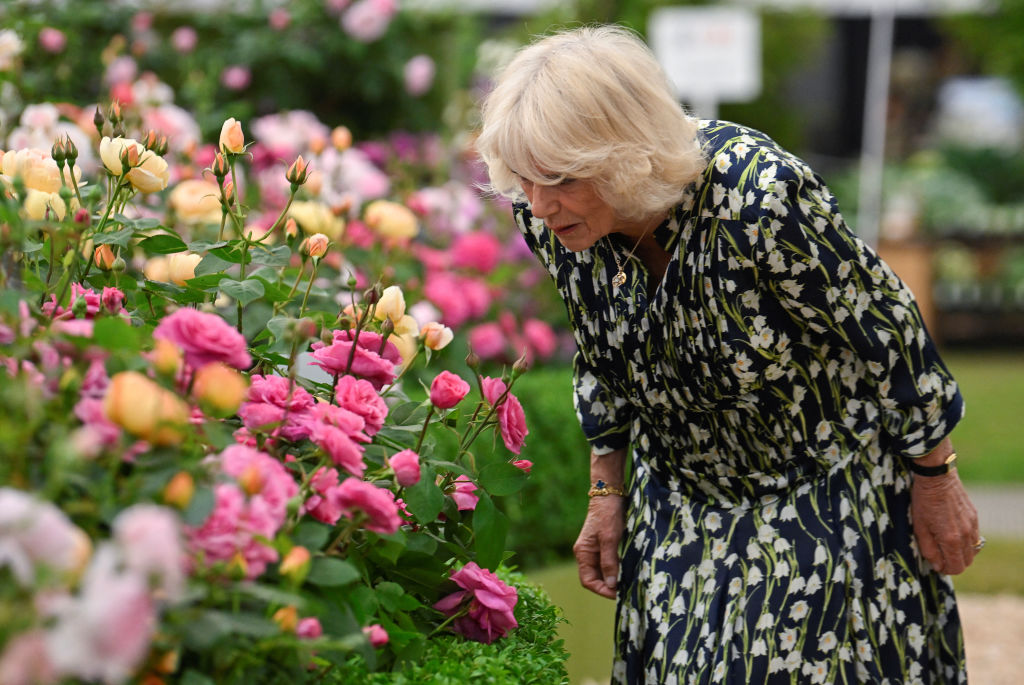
(532, 653)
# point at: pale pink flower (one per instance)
(309, 628)
(359, 396)
(447, 390)
(35, 533)
(490, 601)
(338, 432)
(6, 334)
(378, 504)
(377, 368)
(487, 340)
(511, 418)
(204, 338)
(418, 74)
(121, 70)
(97, 432)
(367, 20)
(265, 479)
(104, 632)
(320, 505)
(25, 661)
(276, 401)
(540, 337)
(177, 124)
(376, 634)
(279, 19)
(235, 77)
(52, 40)
(406, 465)
(150, 542)
(184, 39)
(476, 250)
(463, 495)
(231, 530)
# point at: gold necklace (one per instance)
(620, 276)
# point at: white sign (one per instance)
(711, 54)
(861, 7)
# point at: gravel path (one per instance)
(994, 637)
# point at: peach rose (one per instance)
(36, 169)
(219, 388)
(181, 266)
(145, 409)
(316, 217)
(156, 269)
(316, 245)
(231, 137)
(436, 336)
(148, 174)
(38, 204)
(196, 201)
(391, 220)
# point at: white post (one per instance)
(876, 97)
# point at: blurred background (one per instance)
(911, 110)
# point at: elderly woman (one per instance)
(791, 509)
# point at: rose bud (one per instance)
(232, 139)
(287, 618)
(436, 336)
(219, 388)
(316, 245)
(179, 490)
(296, 564)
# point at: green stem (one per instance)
(305, 298)
(426, 424)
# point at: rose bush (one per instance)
(220, 476)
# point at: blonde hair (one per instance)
(590, 103)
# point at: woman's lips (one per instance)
(562, 230)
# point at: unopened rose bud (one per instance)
(103, 257)
(520, 366)
(371, 295)
(82, 217)
(179, 490)
(387, 327)
(57, 152)
(305, 329)
(220, 166)
(114, 112)
(232, 140)
(80, 308)
(219, 388)
(287, 618)
(295, 564)
(149, 141)
(161, 146)
(119, 130)
(316, 245)
(70, 150)
(341, 138)
(435, 335)
(229, 193)
(391, 304)
(291, 229)
(118, 265)
(98, 120)
(472, 360)
(297, 172)
(129, 158)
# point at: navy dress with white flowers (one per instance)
(771, 387)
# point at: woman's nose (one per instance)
(543, 201)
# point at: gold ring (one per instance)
(979, 544)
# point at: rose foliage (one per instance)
(211, 469)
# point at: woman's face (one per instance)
(572, 210)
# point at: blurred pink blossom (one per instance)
(309, 628)
(288, 133)
(367, 20)
(487, 340)
(541, 338)
(231, 529)
(524, 464)
(184, 39)
(459, 298)
(377, 636)
(149, 538)
(354, 495)
(319, 505)
(476, 250)
(338, 432)
(121, 70)
(177, 124)
(418, 74)
(25, 661)
(279, 19)
(235, 77)
(36, 533)
(142, 21)
(359, 396)
(336, 6)
(52, 40)
(150, 91)
(463, 495)
(265, 479)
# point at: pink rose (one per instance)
(309, 628)
(35, 533)
(231, 531)
(276, 401)
(377, 368)
(359, 396)
(25, 660)
(367, 20)
(447, 390)
(235, 77)
(267, 482)
(204, 338)
(320, 505)
(406, 465)
(184, 39)
(149, 537)
(113, 300)
(377, 636)
(279, 19)
(487, 340)
(490, 601)
(338, 432)
(524, 464)
(418, 74)
(511, 418)
(541, 339)
(463, 495)
(52, 40)
(477, 250)
(378, 504)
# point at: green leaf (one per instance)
(502, 478)
(331, 572)
(409, 413)
(114, 333)
(312, 535)
(193, 677)
(218, 434)
(122, 237)
(244, 291)
(390, 547)
(276, 256)
(489, 528)
(207, 282)
(199, 508)
(212, 264)
(273, 292)
(424, 499)
(234, 252)
(205, 245)
(204, 630)
(28, 246)
(163, 243)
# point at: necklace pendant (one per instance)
(619, 278)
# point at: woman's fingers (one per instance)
(945, 522)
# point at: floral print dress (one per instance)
(771, 387)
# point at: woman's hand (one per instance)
(945, 522)
(597, 547)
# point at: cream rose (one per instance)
(391, 305)
(149, 175)
(391, 220)
(196, 201)
(436, 336)
(181, 266)
(316, 217)
(38, 202)
(231, 137)
(36, 169)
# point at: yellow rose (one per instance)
(156, 269)
(145, 409)
(231, 137)
(181, 266)
(436, 336)
(316, 217)
(38, 202)
(406, 345)
(391, 305)
(391, 220)
(148, 175)
(220, 388)
(196, 201)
